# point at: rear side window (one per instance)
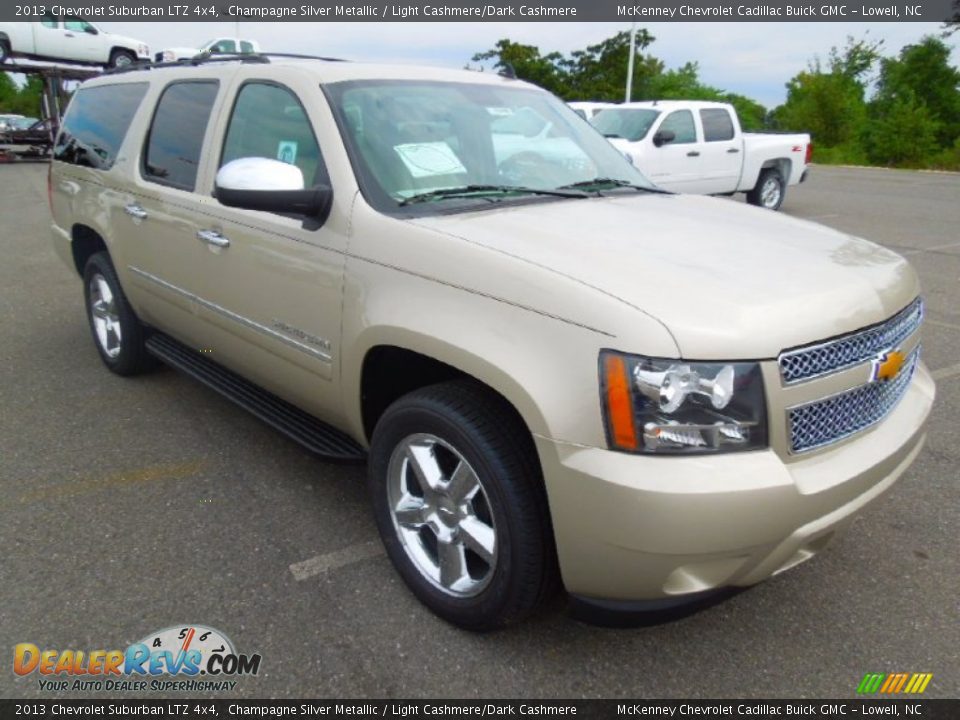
(268, 121)
(175, 140)
(96, 124)
(717, 125)
(681, 123)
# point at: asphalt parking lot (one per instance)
(131, 505)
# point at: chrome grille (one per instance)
(826, 421)
(814, 360)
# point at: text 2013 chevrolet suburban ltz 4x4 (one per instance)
(555, 369)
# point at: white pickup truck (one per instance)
(220, 45)
(69, 40)
(699, 148)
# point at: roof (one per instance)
(673, 104)
(326, 70)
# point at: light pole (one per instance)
(633, 48)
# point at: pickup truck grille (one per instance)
(843, 352)
(829, 420)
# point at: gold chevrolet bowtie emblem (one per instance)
(887, 365)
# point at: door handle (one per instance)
(135, 211)
(212, 237)
(693, 153)
(68, 34)
(733, 150)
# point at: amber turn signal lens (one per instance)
(623, 434)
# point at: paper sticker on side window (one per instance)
(287, 151)
(429, 159)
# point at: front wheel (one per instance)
(460, 506)
(770, 190)
(122, 58)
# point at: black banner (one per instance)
(491, 10)
(182, 708)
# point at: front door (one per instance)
(272, 283)
(676, 165)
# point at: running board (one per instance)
(314, 435)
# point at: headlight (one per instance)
(673, 406)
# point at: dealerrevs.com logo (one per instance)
(186, 657)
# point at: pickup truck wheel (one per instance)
(121, 58)
(117, 331)
(769, 191)
(460, 505)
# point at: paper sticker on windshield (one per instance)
(429, 159)
(500, 111)
(287, 151)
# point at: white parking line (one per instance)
(336, 559)
(947, 372)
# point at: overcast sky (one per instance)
(754, 59)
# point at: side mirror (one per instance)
(258, 183)
(664, 137)
(90, 30)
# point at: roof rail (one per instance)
(204, 58)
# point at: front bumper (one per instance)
(631, 527)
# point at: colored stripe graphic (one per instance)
(894, 683)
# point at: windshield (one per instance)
(629, 123)
(428, 140)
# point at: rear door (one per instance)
(272, 283)
(162, 212)
(677, 165)
(722, 151)
(49, 38)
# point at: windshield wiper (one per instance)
(485, 191)
(596, 183)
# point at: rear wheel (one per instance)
(770, 190)
(122, 58)
(116, 329)
(460, 506)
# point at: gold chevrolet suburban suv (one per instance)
(555, 370)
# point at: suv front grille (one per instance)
(843, 352)
(829, 420)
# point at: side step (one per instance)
(316, 436)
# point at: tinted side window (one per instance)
(49, 21)
(76, 26)
(268, 121)
(96, 123)
(172, 154)
(717, 125)
(246, 47)
(224, 46)
(681, 122)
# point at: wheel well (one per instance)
(782, 165)
(85, 243)
(117, 49)
(391, 372)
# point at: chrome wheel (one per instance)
(441, 515)
(122, 60)
(105, 316)
(770, 192)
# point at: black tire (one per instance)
(122, 58)
(126, 354)
(770, 190)
(490, 436)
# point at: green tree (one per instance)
(905, 134)
(600, 71)
(8, 93)
(829, 102)
(922, 75)
(528, 64)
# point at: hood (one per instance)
(729, 281)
